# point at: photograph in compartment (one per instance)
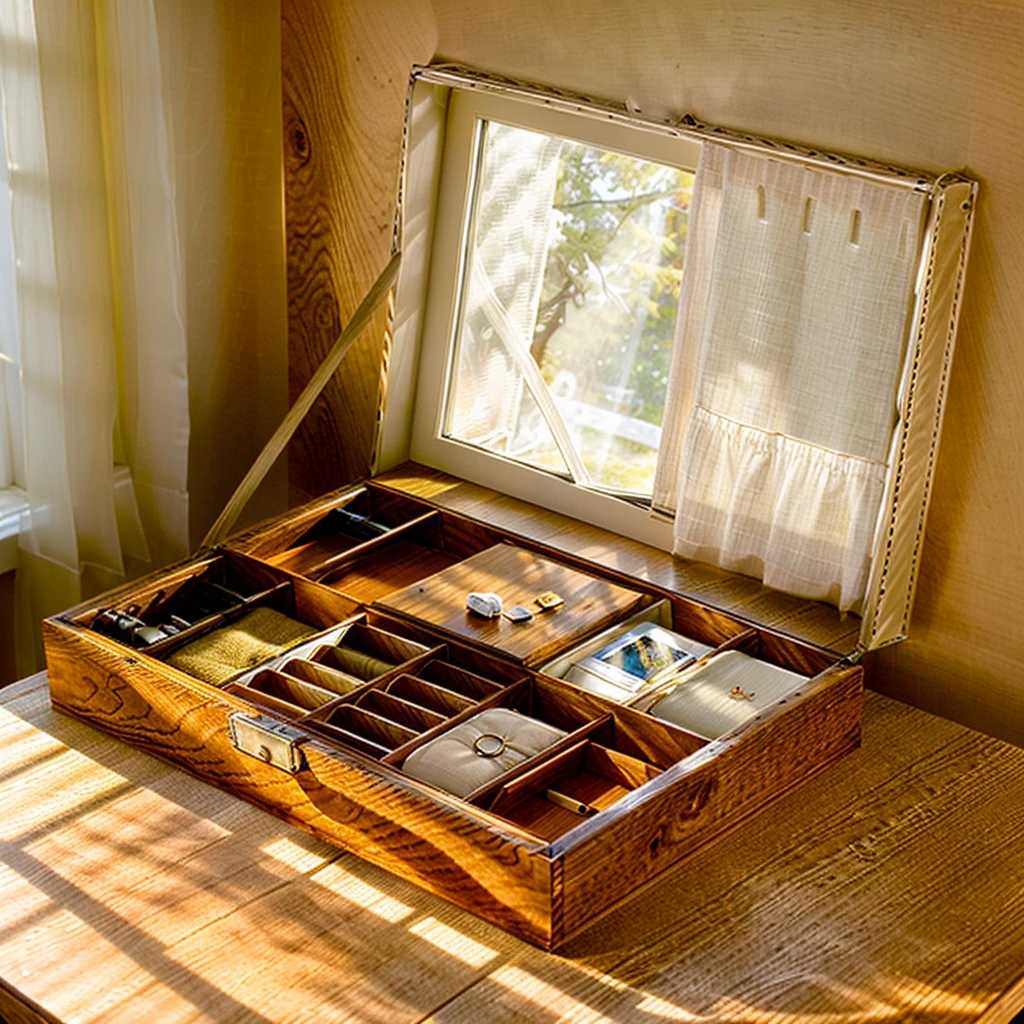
(639, 656)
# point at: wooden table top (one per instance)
(889, 889)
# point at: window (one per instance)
(552, 305)
(767, 404)
(11, 469)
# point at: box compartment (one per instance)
(541, 873)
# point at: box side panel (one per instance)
(708, 794)
(338, 799)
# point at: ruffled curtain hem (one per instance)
(800, 517)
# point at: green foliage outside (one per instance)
(608, 304)
(618, 255)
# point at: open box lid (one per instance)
(947, 202)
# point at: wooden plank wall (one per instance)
(345, 72)
(935, 85)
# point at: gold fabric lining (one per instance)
(244, 644)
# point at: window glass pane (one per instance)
(493, 409)
(572, 277)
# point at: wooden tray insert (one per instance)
(359, 518)
(518, 576)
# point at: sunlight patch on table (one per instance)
(291, 854)
(655, 1006)
(556, 1002)
(341, 882)
(454, 943)
(61, 785)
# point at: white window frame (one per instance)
(451, 231)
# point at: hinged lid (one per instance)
(932, 320)
(931, 324)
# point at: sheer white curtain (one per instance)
(783, 396)
(97, 276)
(501, 399)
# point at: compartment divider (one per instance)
(373, 727)
(478, 685)
(630, 772)
(414, 716)
(749, 642)
(404, 668)
(289, 689)
(264, 701)
(483, 795)
(333, 562)
(339, 683)
(511, 795)
(453, 703)
(351, 739)
(508, 696)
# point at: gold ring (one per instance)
(489, 744)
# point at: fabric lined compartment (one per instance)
(452, 763)
(256, 637)
(723, 692)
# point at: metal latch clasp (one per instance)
(271, 741)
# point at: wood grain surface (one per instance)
(483, 861)
(334, 175)
(337, 796)
(933, 86)
(518, 577)
(886, 891)
(810, 621)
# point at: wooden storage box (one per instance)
(375, 654)
(506, 854)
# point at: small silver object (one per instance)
(484, 603)
(519, 614)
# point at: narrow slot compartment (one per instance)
(264, 701)
(189, 598)
(354, 740)
(486, 664)
(458, 680)
(434, 698)
(360, 517)
(568, 788)
(393, 562)
(412, 716)
(380, 731)
(289, 689)
(323, 676)
(365, 652)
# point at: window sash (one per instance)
(447, 270)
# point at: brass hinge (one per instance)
(855, 655)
